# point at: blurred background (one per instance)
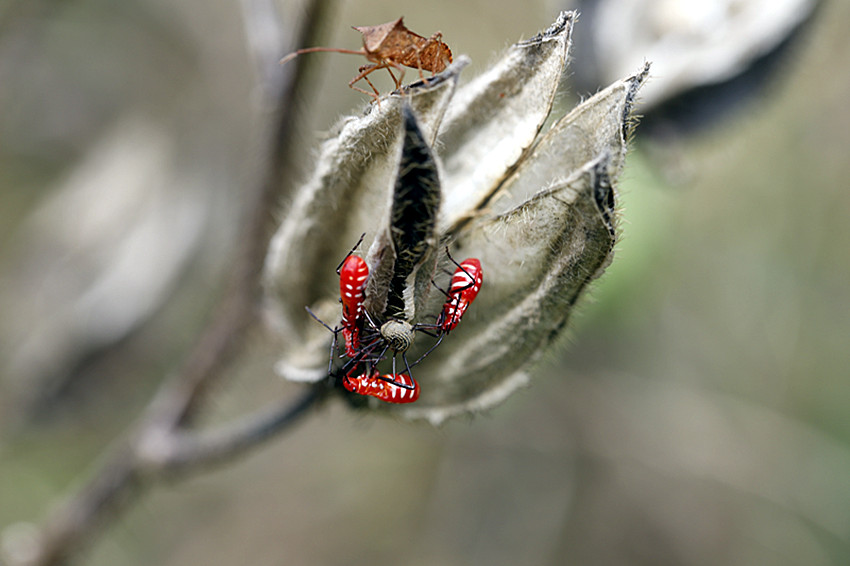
(698, 414)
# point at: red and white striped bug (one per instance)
(466, 282)
(368, 341)
(352, 283)
(392, 388)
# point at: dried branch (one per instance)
(182, 451)
(132, 465)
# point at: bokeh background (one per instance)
(698, 414)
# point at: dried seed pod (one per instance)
(409, 239)
(341, 201)
(538, 211)
(494, 120)
(711, 56)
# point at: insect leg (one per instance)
(400, 69)
(438, 39)
(419, 66)
(331, 355)
(406, 365)
(429, 327)
(334, 331)
(397, 380)
(395, 80)
(365, 70)
(428, 351)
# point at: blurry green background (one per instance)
(699, 414)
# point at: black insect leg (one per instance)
(357, 245)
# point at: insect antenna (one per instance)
(353, 249)
(462, 268)
(305, 50)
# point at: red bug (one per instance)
(466, 282)
(352, 284)
(392, 388)
(366, 345)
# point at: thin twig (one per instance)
(219, 343)
(186, 451)
(128, 469)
